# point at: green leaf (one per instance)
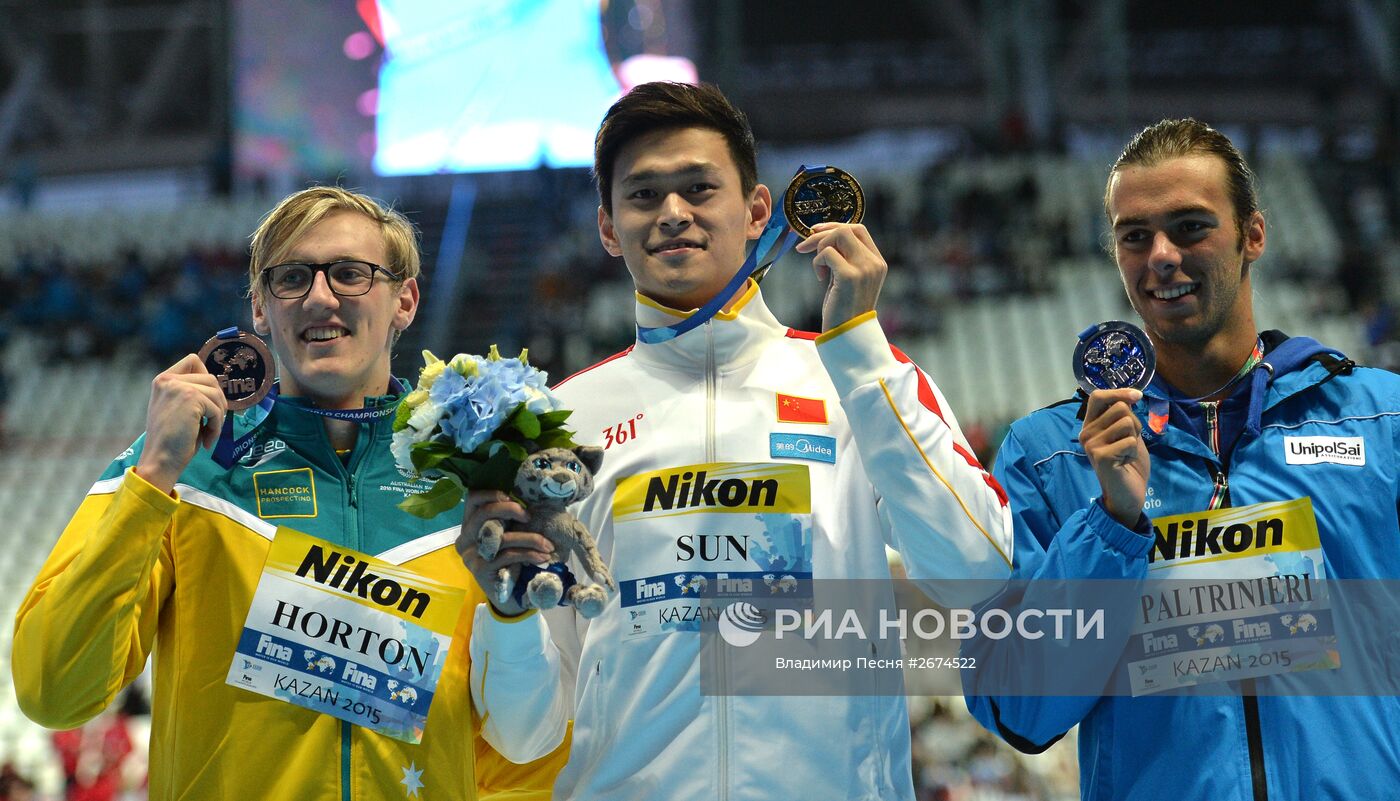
(496, 473)
(434, 447)
(430, 454)
(401, 416)
(459, 465)
(558, 438)
(525, 422)
(444, 494)
(555, 418)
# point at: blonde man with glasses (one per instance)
(166, 551)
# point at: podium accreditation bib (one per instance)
(690, 540)
(343, 633)
(1232, 593)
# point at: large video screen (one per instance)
(415, 87)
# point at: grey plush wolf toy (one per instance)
(547, 482)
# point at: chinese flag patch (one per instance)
(792, 409)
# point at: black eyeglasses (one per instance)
(345, 278)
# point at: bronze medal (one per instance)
(242, 364)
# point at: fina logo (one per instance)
(741, 623)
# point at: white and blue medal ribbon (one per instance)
(229, 449)
(775, 240)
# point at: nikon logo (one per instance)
(336, 571)
(1316, 450)
(1198, 538)
(689, 490)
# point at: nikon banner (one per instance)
(1246, 598)
(730, 532)
(343, 633)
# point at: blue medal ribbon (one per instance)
(228, 450)
(775, 240)
(1159, 408)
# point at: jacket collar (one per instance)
(1291, 365)
(292, 420)
(737, 336)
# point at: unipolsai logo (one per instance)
(741, 623)
(1333, 450)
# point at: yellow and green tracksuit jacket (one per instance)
(137, 571)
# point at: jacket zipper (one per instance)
(1213, 429)
(711, 380)
(722, 673)
(1220, 498)
(351, 479)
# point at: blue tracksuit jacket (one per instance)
(1234, 747)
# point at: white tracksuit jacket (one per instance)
(893, 468)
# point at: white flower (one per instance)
(400, 446)
(402, 442)
(540, 400)
(424, 417)
(465, 364)
(429, 374)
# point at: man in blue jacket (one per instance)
(1234, 417)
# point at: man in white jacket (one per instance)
(704, 480)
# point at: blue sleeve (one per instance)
(1049, 554)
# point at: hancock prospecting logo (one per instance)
(741, 623)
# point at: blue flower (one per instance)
(449, 389)
(467, 427)
(474, 406)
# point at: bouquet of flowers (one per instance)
(471, 422)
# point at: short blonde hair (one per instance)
(290, 219)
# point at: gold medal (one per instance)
(822, 194)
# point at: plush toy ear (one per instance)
(591, 456)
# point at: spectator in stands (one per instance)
(66, 311)
(165, 552)
(1212, 430)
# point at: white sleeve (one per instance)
(947, 517)
(515, 684)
